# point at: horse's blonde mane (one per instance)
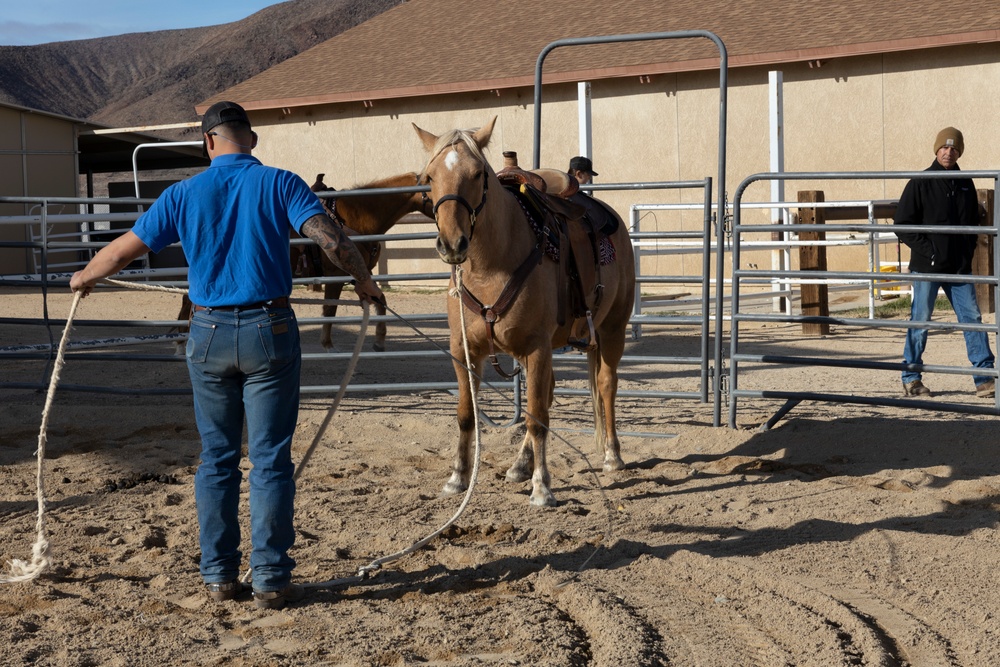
(451, 138)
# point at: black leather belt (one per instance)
(280, 302)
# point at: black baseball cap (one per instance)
(223, 112)
(582, 164)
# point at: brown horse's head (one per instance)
(458, 174)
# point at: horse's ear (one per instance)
(428, 139)
(482, 135)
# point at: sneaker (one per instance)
(986, 389)
(915, 388)
(220, 592)
(278, 599)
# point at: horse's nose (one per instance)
(453, 255)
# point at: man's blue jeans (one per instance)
(245, 364)
(963, 299)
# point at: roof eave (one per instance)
(743, 60)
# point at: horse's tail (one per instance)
(593, 366)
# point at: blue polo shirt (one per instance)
(232, 220)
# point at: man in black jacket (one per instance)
(938, 201)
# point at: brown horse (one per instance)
(360, 215)
(482, 228)
(365, 214)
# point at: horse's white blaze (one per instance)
(451, 159)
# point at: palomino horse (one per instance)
(364, 214)
(482, 228)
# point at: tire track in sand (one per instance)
(725, 611)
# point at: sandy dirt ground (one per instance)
(846, 535)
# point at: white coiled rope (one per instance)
(40, 561)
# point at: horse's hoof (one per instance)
(611, 465)
(516, 476)
(542, 498)
(378, 347)
(452, 489)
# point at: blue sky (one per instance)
(24, 22)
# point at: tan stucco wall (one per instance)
(867, 113)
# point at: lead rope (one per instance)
(40, 561)
(367, 570)
(144, 287)
(348, 374)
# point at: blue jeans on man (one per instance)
(245, 364)
(962, 297)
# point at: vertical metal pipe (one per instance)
(721, 179)
(706, 286)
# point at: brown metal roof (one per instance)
(427, 47)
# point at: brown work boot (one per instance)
(915, 388)
(278, 599)
(220, 592)
(987, 389)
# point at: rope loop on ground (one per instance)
(367, 570)
(348, 374)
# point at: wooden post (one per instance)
(982, 262)
(815, 298)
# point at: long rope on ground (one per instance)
(40, 561)
(24, 571)
(367, 570)
(608, 505)
(348, 374)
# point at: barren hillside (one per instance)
(158, 77)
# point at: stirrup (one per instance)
(581, 343)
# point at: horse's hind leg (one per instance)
(183, 315)
(373, 250)
(331, 293)
(524, 464)
(603, 375)
(379, 344)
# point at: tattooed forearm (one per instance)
(331, 238)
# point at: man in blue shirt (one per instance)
(243, 351)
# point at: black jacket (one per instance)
(927, 201)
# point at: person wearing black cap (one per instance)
(243, 352)
(950, 202)
(582, 169)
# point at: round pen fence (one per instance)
(742, 298)
(816, 318)
(145, 342)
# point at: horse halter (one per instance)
(473, 212)
(330, 204)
